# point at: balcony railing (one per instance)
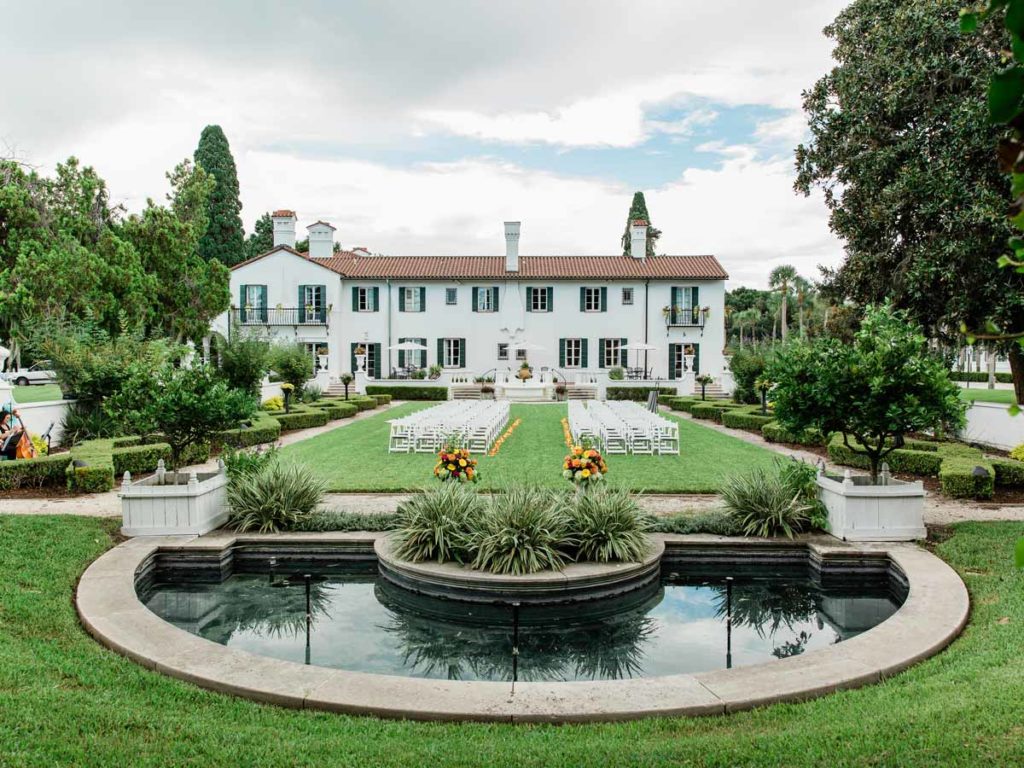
(685, 317)
(279, 316)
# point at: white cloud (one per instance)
(790, 129)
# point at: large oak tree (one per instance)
(903, 150)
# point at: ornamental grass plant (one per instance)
(608, 526)
(437, 524)
(276, 497)
(523, 530)
(769, 502)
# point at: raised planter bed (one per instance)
(859, 510)
(156, 506)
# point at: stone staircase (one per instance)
(713, 391)
(337, 389)
(465, 392)
(581, 392)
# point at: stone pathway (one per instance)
(938, 510)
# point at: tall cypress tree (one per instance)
(224, 239)
(262, 239)
(638, 210)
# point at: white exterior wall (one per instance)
(283, 272)
(484, 330)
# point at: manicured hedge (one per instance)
(363, 403)
(682, 403)
(409, 393)
(41, 472)
(1009, 473)
(745, 420)
(263, 428)
(301, 417)
(638, 394)
(900, 460)
(381, 398)
(337, 410)
(665, 399)
(980, 376)
(774, 432)
(139, 458)
(959, 481)
(711, 409)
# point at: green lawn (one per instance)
(355, 457)
(65, 700)
(37, 394)
(987, 395)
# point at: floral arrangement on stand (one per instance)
(584, 465)
(504, 436)
(456, 464)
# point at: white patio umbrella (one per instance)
(409, 346)
(640, 346)
(525, 345)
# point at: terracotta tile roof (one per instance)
(283, 212)
(362, 267)
(324, 223)
(530, 267)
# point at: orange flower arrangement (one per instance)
(456, 464)
(584, 465)
(504, 436)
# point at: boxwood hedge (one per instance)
(409, 393)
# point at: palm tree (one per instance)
(747, 318)
(804, 291)
(780, 279)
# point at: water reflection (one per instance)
(684, 624)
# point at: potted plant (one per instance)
(288, 390)
(525, 372)
(487, 391)
(561, 390)
(435, 372)
(873, 391)
(321, 355)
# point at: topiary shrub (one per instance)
(637, 394)
(383, 399)
(964, 478)
(40, 472)
(1008, 473)
(752, 422)
(409, 393)
(774, 432)
(301, 417)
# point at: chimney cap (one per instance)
(284, 213)
(638, 223)
(322, 223)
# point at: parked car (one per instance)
(40, 373)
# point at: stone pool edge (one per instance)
(933, 614)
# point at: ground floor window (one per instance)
(572, 353)
(683, 359)
(453, 353)
(318, 352)
(611, 355)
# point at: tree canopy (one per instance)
(902, 148)
(224, 238)
(638, 211)
(262, 238)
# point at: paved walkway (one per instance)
(938, 510)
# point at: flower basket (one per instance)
(584, 466)
(456, 464)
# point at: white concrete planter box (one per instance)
(150, 508)
(860, 511)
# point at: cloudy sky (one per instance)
(419, 127)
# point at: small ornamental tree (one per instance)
(346, 380)
(874, 391)
(704, 379)
(186, 406)
(244, 361)
(293, 364)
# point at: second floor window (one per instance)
(451, 296)
(365, 299)
(593, 299)
(365, 303)
(538, 299)
(412, 300)
(254, 296)
(503, 351)
(485, 299)
(627, 296)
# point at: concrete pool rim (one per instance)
(934, 612)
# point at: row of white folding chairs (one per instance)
(582, 426)
(628, 428)
(474, 425)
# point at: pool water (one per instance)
(685, 623)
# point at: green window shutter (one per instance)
(376, 299)
(696, 359)
(494, 304)
(604, 298)
(671, 361)
(321, 303)
(241, 303)
(529, 299)
(376, 360)
(623, 353)
(353, 360)
(676, 301)
(302, 304)
(602, 348)
(476, 299)
(401, 299)
(583, 298)
(355, 298)
(551, 299)
(401, 354)
(263, 303)
(561, 353)
(695, 302)
(440, 352)
(421, 356)
(462, 353)
(423, 298)
(583, 353)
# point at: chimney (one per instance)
(638, 239)
(512, 246)
(284, 228)
(321, 240)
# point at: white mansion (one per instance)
(578, 317)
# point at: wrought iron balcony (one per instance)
(693, 318)
(279, 316)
